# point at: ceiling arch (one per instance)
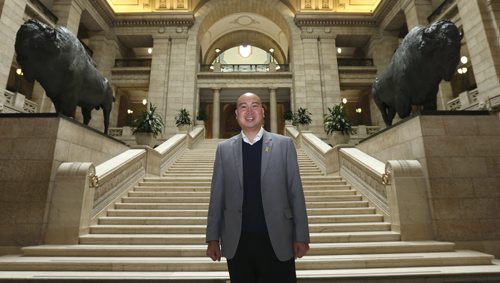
(265, 25)
(244, 28)
(235, 38)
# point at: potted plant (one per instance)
(201, 118)
(183, 120)
(303, 119)
(288, 115)
(148, 127)
(337, 125)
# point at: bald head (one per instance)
(249, 113)
(247, 95)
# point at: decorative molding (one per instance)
(141, 19)
(333, 19)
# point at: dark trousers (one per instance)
(255, 262)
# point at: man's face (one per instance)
(249, 112)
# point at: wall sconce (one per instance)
(359, 110)
(464, 59)
(344, 100)
(19, 72)
(129, 111)
(339, 50)
(150, 50)
(144, 101)
(462, 70)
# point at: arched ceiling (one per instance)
(236, 38)
(244, 28)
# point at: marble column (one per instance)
(216, 114)
(416, 12)
(11, 18)
(273, 111)
(445, 94)
(158, 78)
(68, 14)
(481, 35)
(105, 50)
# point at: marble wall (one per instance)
(461, 160)
(31, 148)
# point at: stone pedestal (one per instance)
(460, 154)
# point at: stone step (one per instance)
(206, 193)
(154, 206)
(157, 213)
(205, 264)
(478, 273)
(199, 250)
(176, 184)
(204, 189)
(355, 207)
(202, 220)
(190, 239)
(311, 199)
(143, 211)
(201, 228)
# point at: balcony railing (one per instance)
(18, 103)
(245, 68)
(352, 62)
(133, 62)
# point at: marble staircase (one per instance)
(158, 230)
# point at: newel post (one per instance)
(408, 202)
(72, 202)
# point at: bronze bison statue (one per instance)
(58, 61)
(425, 57)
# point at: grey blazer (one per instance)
(282, 195)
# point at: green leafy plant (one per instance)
(336, 120)
(149, 122)
(303, 116)
(183, 118)
(288, 115)
(202, 116)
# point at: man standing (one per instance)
(257, 209)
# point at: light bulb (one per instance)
(150, 50)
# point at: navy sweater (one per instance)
(253, 211)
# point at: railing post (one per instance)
(72, 202)
(407, 198)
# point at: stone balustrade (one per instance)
(16, 102)
(83, 192)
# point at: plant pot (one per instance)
(145, 139)
(303, 127)
(339, 138)
(183, 129)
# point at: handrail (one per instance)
(397, 189)
(117, 175)
(366, 174)
(319, 151)
(83, 192)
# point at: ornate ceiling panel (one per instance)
(168, 6)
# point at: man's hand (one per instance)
(300, 249)
(213, 250)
